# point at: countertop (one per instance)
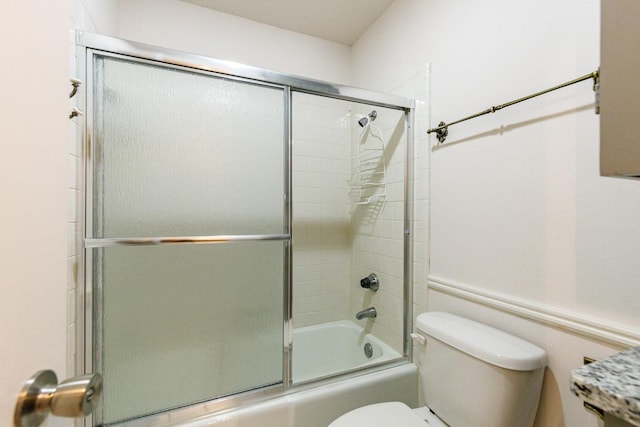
(612, 384)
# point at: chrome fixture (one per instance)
(41, 395)
(368, 118)
(370, 282)
(368, 313)
(368, 350)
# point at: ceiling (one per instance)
(341, 21)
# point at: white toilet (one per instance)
(472, 375)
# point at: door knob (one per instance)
(41, 395)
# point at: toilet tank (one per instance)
(476, 375)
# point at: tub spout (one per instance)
(369, 313)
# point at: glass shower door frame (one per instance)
(92, 219)
(90, 45)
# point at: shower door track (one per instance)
(88, 45)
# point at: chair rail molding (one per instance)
(575, 323)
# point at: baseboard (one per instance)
(575, 323)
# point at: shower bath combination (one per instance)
(185, 217)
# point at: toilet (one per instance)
(472, 375)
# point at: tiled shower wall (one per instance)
(337, 242)
(378, 242)
(377, 229)
(321, 247)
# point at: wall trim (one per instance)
(575, 323)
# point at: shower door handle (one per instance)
(41, 394)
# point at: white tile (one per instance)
(74, 143)
(73, 204)
(74, 164)
(72, 238)
(71, 340)
(72, 296)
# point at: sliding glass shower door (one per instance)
(187, 236)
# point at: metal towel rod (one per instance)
(442, 130)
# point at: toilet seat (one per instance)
(381, 415)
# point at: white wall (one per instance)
(95, 16)
(517, 207)
(40, 189)
(183, 26)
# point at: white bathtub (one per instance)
(330, 348)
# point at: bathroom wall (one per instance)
(377, 220)
(321, 247)
(378, 229)
(95, 16)
(336, 240)
(41, 189)
(183, 26)
(520, 218)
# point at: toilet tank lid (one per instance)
(482, 342)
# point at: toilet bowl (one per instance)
(472, 375)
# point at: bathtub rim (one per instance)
(230, 405)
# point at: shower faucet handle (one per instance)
(370, 282)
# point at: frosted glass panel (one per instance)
(187, 323)
(181, 153)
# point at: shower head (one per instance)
(369, 117)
